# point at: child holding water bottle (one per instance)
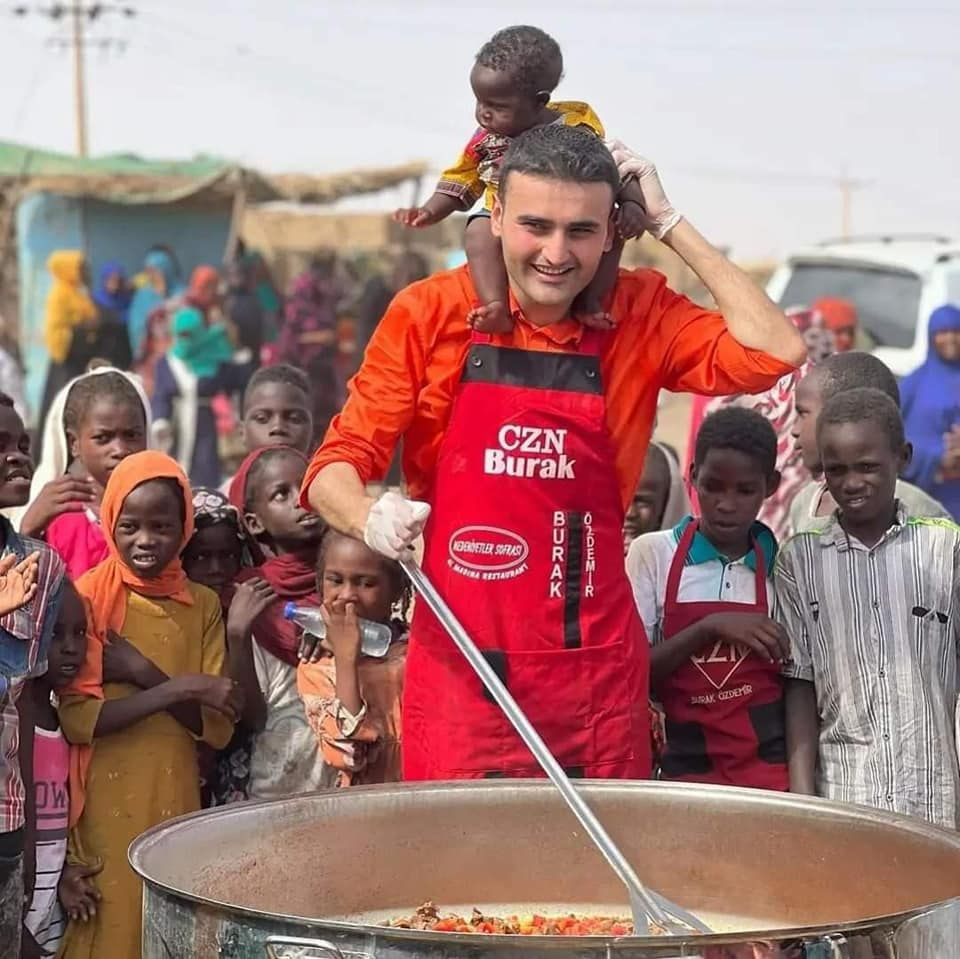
(284, 757)
(352, 700)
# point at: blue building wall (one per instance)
(106, 231)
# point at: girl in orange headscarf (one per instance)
(150, 687)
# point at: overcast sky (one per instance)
(752, 109)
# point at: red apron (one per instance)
(724, 708)
(524, 542)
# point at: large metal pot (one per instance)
(847, 881)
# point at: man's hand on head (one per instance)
(393, 524)
(661, 217)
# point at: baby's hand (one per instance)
(417, 216)
(631, 219)
(491, 317)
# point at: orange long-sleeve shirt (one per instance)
(411, 369)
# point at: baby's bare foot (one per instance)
(491, 317)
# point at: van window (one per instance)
(887, 300)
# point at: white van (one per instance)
(895, 282)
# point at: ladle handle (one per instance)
(638, 893)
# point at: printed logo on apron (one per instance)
(488, 553)
(720, 663)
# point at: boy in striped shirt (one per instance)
(30, 581)
(870, 600)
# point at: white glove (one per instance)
(394, 523)
(661, 216)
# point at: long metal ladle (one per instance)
(649, 908)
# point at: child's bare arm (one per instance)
(755, 631)
(124, 663)
(437, 208)
(803, 735)
(250, 600)
(343, 634)
(631, 217)
(181, 696)
(630, 191)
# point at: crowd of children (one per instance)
(146, 667)
(826, 664)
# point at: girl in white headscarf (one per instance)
(94, 422)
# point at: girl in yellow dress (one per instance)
(150, 688)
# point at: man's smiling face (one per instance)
(553, 233)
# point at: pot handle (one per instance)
(323, 947)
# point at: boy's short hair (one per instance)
(743, 430)
(279, 373)
(864, 405)
(559, 152)
(855, 370)
(531, 57)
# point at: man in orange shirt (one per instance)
(523, 450)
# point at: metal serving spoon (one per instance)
(652, 913)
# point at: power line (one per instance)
(81, 17)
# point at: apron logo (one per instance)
(515, 444)
(720, 663)
(487, 553)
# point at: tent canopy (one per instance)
(124, 178)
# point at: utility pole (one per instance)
(79, 82)
(81, 16)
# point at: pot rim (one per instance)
(141, 846)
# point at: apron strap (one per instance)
(680, 558)
(676, 566)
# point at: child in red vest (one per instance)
(703, 592)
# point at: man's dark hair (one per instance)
(91, 389)
(736, 428)
(559, 152)
(279, 373)
(855, 370)
(864, 405)
(530, 57)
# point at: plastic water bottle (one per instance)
(374, 637)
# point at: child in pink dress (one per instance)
(59, 889)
